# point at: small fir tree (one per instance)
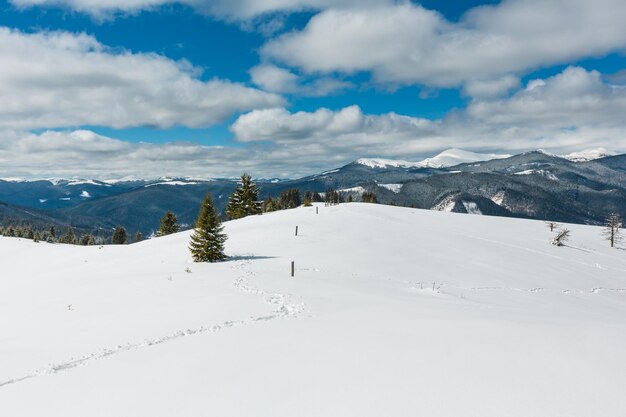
(138, 237)
(207, 240)
(120, 237)
(244, 201)
(169, 224)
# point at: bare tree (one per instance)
(613, 224)
(552, 226)
(561, 237)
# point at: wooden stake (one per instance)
(317, 210)
(296, 230)
(293, 269)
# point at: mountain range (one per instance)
(580, 188)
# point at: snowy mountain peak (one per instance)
(385, 163)
(449, 157)
(589, 155)
(453, 156)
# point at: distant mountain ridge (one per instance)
(533, 185)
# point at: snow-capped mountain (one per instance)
(533, 184)
(589, 155)
(453, 156)
(447, 158)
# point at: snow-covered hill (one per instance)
(392, 312)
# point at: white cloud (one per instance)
(571, 111)
(481, 88)
(60, 79)
(279, 80)
(568, 112)
(229, 9)
(406, 44)
(572, 98)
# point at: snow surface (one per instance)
(85, 194)
(392, 187)
(471, 207)
(542, 172)
(392, 312)
(358, 190)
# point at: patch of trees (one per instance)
(51, 235)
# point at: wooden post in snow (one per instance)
(293, 269)
(296, 230)
(317, 210)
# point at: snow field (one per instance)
(513, 327)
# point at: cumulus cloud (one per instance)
(407, 44)
(481, 88)
(60, 79)
(574, 97)
(229, 9)
(568, 112)
(280, 80)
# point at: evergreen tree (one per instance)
(53, 232)
(317, 198)
(69, 237)
(270, 204)
(207, 240)
(308, 199)
(244, 201)
(332, 197)
(369, 197)
(169, 224)
(120, 237)
(29, 233)
(138, 237)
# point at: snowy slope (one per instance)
(513, 327)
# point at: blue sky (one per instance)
(211, 87)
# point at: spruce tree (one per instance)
(70, 237)
(169, 224)
(120, 237)
(244, 201)
(138, 237)
(207, 240)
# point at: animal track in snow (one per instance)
(283, 308)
